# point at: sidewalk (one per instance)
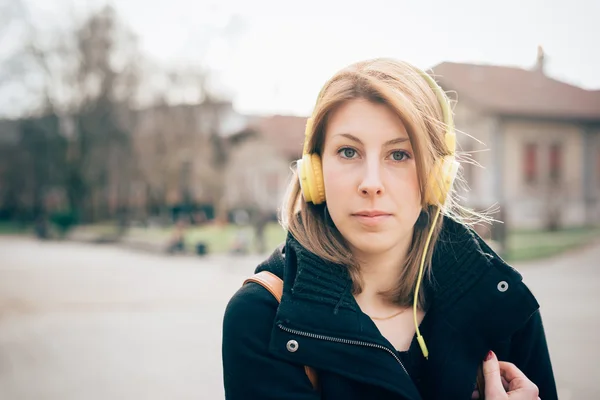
(148, 326)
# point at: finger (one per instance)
(510, 371)
(505, 384)
(493, 384)
(517, 380)
(475, 395)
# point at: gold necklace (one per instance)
(390, 317)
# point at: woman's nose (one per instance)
(371, 184)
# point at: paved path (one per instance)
(91, 322)
(568, 290)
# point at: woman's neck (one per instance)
(381, 272)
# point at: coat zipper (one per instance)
(345, 341)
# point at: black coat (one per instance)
(476, 302)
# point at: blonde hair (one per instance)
(402, 88)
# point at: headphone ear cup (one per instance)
(441, 179)
(310, 175)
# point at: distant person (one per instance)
(41, 227)
(387, 292)
(260, 222)
(177, 240)
(200, 218)
(241, 240)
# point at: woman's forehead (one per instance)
(365, 120)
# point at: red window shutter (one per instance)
(530, 163)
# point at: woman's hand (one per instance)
(504, 380)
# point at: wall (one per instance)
(591, 161)
(498, 146)
(530, 203)
(480, 149)
(257, 176)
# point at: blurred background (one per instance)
(145, 150)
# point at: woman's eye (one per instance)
(348, 152)
(399, 155)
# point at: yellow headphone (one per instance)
(439, 184)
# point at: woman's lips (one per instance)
(371, 217)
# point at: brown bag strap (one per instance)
(274, 285)
(269, 281)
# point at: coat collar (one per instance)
(468, 310)
(462, 263)
(460, 259)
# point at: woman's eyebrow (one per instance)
(388, 143)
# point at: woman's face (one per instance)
(370, 177)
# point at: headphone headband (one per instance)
(307, 134)
(449, 136)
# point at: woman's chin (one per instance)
(372, 244)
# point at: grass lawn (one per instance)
(102, 228)
(530, 245)
(11, 228)
(218, 239)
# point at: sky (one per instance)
(273, 56)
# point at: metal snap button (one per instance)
(503, 286)
(292, 346)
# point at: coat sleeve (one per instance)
(529, 352)
(250, 371)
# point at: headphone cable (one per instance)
(420, 277)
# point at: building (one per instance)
(174, 153)
(540, 150)
(260, 163)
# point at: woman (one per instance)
(387, 292)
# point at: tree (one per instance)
(85, 76)
(88, 82)
(180, 144)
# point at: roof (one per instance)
(286, 132)
(518, 92)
